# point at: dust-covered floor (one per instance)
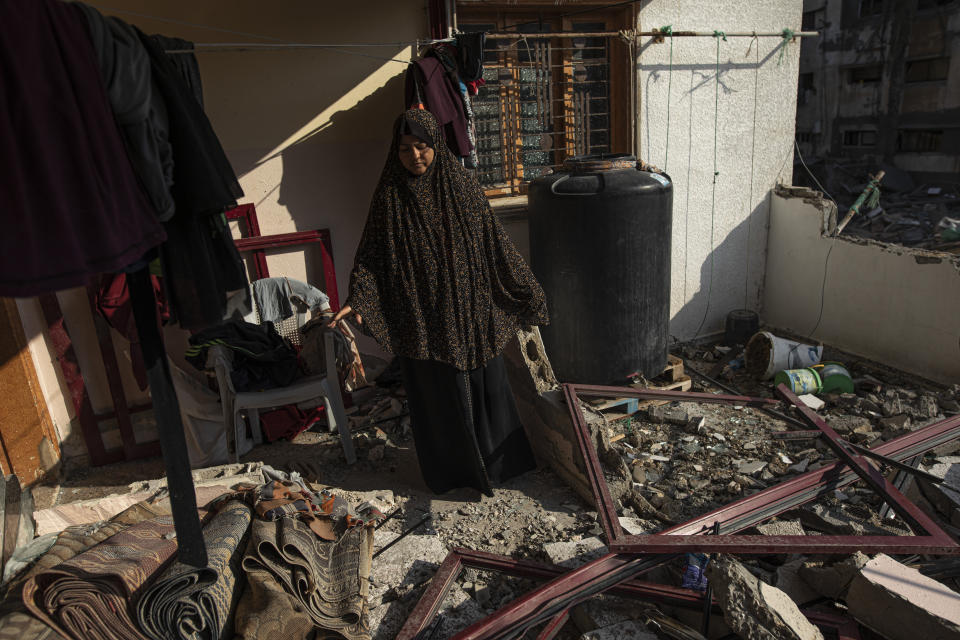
(672, 462)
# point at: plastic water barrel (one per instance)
(600, 236)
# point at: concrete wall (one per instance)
(306, 130)
(888, 303)
(737, 206)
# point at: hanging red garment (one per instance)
(113, 303)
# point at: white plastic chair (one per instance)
(325, 388)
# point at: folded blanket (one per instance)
(198, 603)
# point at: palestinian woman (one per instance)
(438, 283)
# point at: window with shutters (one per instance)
(547, 98)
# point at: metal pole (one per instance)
(855, 209)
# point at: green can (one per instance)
(800, 381)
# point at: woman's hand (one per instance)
(344, 312)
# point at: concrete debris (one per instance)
(812, 401)
(629, 630)
(946, 495)
(787, 579)
(782, 528)
(604, 611)
(902, 604)
(396, 576)
(832, 581)
(753, 608)
(574, 554)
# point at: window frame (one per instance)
(937, 134)
(849, 72)
(507, 16)
(928, 61)
(859, 134)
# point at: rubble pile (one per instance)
(924, 216)
(670, 463)
(665, 463)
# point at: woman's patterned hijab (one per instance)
(435, 276)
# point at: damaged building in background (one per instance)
(882, 82)
(880, 89)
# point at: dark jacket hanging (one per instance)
(141, 113)
(200, 262)
(442, 99)
(72, 205)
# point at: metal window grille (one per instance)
(544, 100)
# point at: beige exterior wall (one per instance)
(307, 131)
(751, 120)
(892, 304)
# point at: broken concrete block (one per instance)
(754, 609)
(826, 520)
(926, 407)
(574, 554)
(752, 468)
(946, 495)
(629, 630)
(895, 425)
(632, 526)
(849, 424)
(782, 528)
(411, 561)
(666, 414)
(903, 604)
(812, 401)
(788, 580)
(832, 581)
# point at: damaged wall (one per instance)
(894, 305)
(754, 100)
(307, 131)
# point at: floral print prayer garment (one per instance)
(435, 276)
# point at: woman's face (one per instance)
(415, 155)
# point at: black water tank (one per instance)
(600, 235)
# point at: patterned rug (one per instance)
(88, 596)
(329, 579)
(15, 622)
(193, 604)
(266, 611)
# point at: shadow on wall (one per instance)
(331, 175)
(702, 314)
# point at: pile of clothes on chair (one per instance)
(261, 359)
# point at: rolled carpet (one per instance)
(88, 597)
(191, 603)
(329, 579)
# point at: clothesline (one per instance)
(262, 46)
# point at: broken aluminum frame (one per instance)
(459, 558)
(425, 612)
(563, 591)
(611, 570)
(936, 540)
